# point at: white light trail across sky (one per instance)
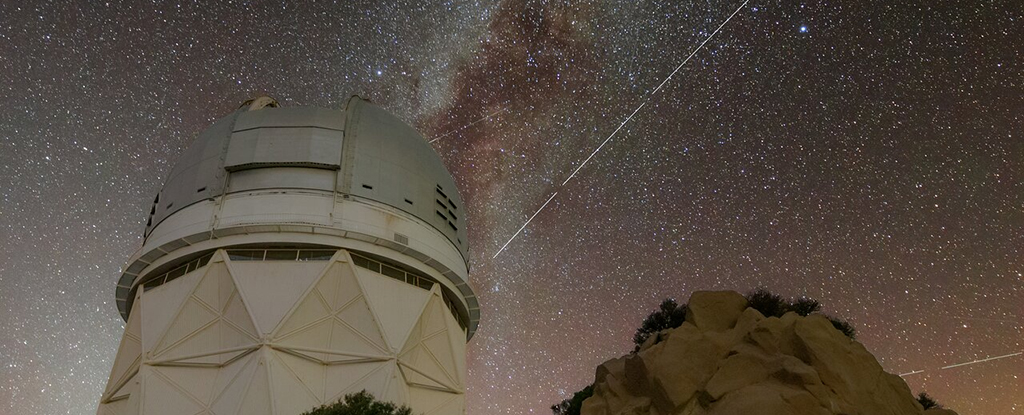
(630, 117)
(468, 125)
(973, 362)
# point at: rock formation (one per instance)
(729, 359)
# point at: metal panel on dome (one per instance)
(282, 177)
(390, 162)
(198, 175)
(293, 146)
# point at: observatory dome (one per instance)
(357, 178)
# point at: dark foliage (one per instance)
(844, 327)
(806, 307)
(927, 402)
(771, 305)
(361, 403)
(669, 316)
(574, 405)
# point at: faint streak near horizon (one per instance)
(987, 359)
(973, 362)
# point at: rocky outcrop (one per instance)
(729, 359)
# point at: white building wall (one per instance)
(281, 337)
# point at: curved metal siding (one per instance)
(388, 161)
(378, 156)
(199, 173)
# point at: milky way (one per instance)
(867, 154)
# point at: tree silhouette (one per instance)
(927, 402)
(772, 305)
(669, 316)
(574, 405)
(361, 403)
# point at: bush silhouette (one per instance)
(361, 403)
(772, 305)
(806, 306)
(574, 405)
(669, 316)
(843, 326)
(927, 402)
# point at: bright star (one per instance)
(803, 29)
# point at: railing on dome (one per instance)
(407, 277)
(179, 271)
(307, 255)
(281, 254)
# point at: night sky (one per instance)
(866, 154)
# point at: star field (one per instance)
(866, 154)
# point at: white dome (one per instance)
(320, 157)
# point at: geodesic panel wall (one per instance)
(281, 337)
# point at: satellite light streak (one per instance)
(955, 365)
(524, 225)
(623, 124)
(655, 91)
(467, 125)
(987, 359)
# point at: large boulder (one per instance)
(728, 359)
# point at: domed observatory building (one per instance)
(293, 256)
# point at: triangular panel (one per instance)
(427, 354)
(334, 317)
(124, 401)
(159, 306)
(350, 378)
(357, 315)
(257, 400)
(457, 340)
(441, 350)
(397, 388)
(193, 317)
(129, 353)
(291, 395)
(336, 287)
(345, 339)
(235, 312)
(231, 381)
(213, 318)
(310, 373)
(314, 337)
(162, 397)
(396, 304)
(130, 385)
(275, 286)
(417, 376)
(431, 402)
(339, 286)
(197, 382)
(433, 319)
(310, 309)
